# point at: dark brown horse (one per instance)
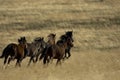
(49, 43)
(57, 51)
(35, 48)
(21, 51)
(68, 49)
(14, 51)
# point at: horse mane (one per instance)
(62, 37)
(38, 39)
(59, 41)
(69, 33)
(51, 34)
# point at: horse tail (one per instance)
(3, 53)
(6, 51)
(2, 56)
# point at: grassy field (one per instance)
(96, 31)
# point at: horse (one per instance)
(35, 48)
(21, 51)
(51, 39)
(9, 50)
(14, 51)
(50, 42)
(68, 49)
(57, 51)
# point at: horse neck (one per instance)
(64, 44)
(22, 45)
(51, 41)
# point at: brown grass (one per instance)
(95, 23)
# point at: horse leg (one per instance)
(42, 56)
(31, 59)
(48, 59)
(18, 62)
(9, 60)
(58, 61)
(45, 59)
(5, 61)
(43, 53)
(37, 57)
(65, 54)
(69, 54)
(51, 59)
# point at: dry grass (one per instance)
(95, 23)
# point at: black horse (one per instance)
(68, 49)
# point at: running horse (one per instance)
(14, 51)
(35, 48)
(49, 43)
(68, 49)
(57, 51)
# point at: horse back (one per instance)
(58, 51)
(9, 50)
